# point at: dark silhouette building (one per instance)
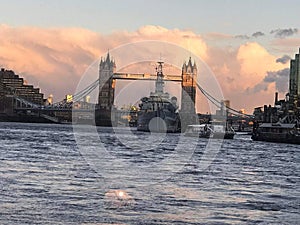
(12, 84)
(288, 109)
(294, 86)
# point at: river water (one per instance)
(48, 175)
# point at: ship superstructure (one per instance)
(158, 112)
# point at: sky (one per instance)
(246, 44)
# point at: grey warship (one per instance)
(158, 112)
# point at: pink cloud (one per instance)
(286, 45)
(217, 36)
(241, 70)
(56, 58)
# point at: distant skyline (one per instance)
(247, 44)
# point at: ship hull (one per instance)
(277, 138)
(226, 135)
(206, 131)
(158, 121)
(276, 132)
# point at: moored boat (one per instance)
(217, 131)
(277, 132)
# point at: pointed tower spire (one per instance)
(107, 57)
(190, 62)
(184, 67)
(194, 66)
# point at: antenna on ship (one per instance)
(159, 84)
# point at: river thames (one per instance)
(46, 178)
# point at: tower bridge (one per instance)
(106, 83)
(108, 75)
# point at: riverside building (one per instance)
(11, 83)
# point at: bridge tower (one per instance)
(105, 113)
(188, 93)
(189, 79)
(107, 68)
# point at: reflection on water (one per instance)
(46, 180)
(117, 199)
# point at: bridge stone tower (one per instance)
(107, 68)
(105, 114)
(188, 94)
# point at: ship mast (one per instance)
(159, 83)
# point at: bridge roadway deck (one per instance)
(145, 76)
(51, 109)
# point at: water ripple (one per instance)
(45, 180)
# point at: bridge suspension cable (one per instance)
(81, 94)
(78, 96)
(219, 104)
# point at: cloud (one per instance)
(282, 33)
(258, 88)
(255, 61)
(284, 59)
(286, 45)
(280, 78)
(242, 36)
(217, 36)
(184, 38)
(241, 71)
(258, 34)
(55, 58)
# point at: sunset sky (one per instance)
(246, 44)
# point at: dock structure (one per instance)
(284, 117)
